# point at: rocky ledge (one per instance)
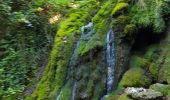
(143, 94)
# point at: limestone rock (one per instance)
(143, 94)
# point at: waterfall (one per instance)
(86, 33)
(110, 56)
(74, 91)
(83, 36)
(58, 96)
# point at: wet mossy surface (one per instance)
(56, 70)
(66, 92)
(126, 18)
(135, 77)
(101, 25)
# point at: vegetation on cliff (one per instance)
(39, 38)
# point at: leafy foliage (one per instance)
(149, 14)
(24, 45)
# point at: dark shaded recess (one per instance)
(146, 37)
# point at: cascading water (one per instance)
(74, 91)
(82, 37)
(110, 56)
(86, 33)
(58, 96)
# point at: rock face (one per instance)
(160, 88)
(143, 94)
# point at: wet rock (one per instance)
(143, 94)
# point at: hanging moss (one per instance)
(123, 27)
(55, 71)
(120, 22)
(101, 25)
(130, 29)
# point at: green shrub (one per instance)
(148, 14)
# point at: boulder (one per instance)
(160, 88)
(143, 94)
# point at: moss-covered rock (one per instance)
(160, 88)
(123, 27)
(164, 72)
(137, 61)
(66, 92)
(118, 97)
(55, 72)
(119, 8)
(150, 60)
(101, 26)
(124, 97)
(135, 77)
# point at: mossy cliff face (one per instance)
(90, 76)
(127, 18)
(148, 63)
(56, 70)
(90, 70)
(125, 32)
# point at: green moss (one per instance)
(101, 25)
(153, 69)
(126, 1)
(137, 61)
(55, 72)
(99, 88)
(119, 7)
(130, 29)
(168, 95)
(90, 87)
(160, 88)
(124, 97)
(152, 53)
(148, 13)
(134, 77)
(66, 92)
(119, 25)
(112, 97)
(122, 20)
(164, 73)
